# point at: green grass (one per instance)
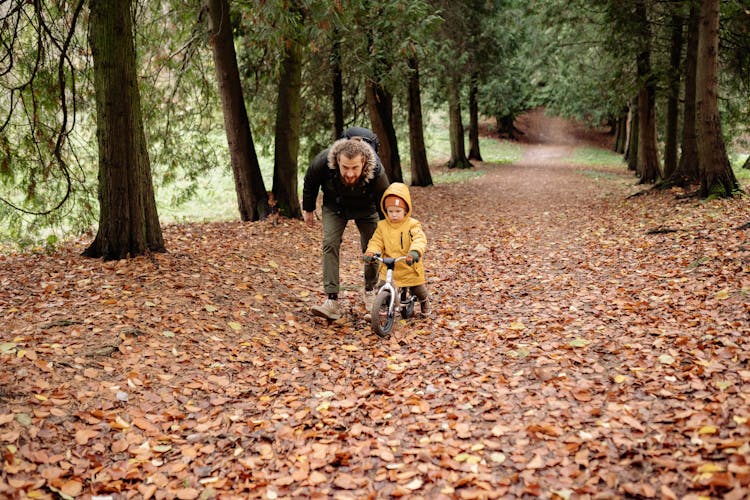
(215, 199)
(596, 156)
(598, 174)
(456, 175)
(497, 151)
(742, 174)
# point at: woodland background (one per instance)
(279, 80)
(590, 338)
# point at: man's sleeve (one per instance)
(380, 184)
(375, 245)
(313, 180)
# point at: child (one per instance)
(399, 235)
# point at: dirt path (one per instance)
(573, 354)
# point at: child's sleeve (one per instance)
(418, 239)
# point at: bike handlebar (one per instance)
(386, 260)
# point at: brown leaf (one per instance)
(71, 488)
(186, 493)
(147, 490)
(536, 463)
(345, 481)
(82, 436)
(316, 477)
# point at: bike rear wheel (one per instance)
(381, 318)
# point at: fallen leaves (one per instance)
(572, 355)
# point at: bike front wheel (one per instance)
(381, 316)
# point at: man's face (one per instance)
(351, 168)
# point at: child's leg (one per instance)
(424, 298)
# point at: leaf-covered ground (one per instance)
(586, 344)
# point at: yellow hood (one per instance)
(402, 191)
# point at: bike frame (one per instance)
(388, 285)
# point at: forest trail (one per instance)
(586, 343)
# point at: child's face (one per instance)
(395, 214)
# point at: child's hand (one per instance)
(412, 257)
(368, 257)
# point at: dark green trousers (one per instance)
(333, 228)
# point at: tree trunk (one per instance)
(252, 197)
(288, 120)
(717, 177)
(128, 219)
(648, 153)
(380, 107)
(621, 133)
(687, 172)
(506, 128)
(632, 154)
(474, 152)
(420, 169)
(673, 98)
(456, 129)
(338, 85)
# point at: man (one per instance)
(352, 180)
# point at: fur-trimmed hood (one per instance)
(369, 170)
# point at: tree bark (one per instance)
(128, 219)
(648, 153)
(621, 132)
(673, 97)
(380, 107)
(420, 169)
(506, 128)
(252, 198)
(338, 86)
(632, 154)
(456, 129)
(687, 172)
(288, 120)
(717, 177)
(474, 151)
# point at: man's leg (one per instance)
(367, 226)
(333, 229)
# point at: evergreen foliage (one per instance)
(574, 57)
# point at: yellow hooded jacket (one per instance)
(396, 240)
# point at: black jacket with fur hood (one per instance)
(353, 202)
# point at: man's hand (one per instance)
(309, 218)
(368, 257)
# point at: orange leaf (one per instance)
(72, 488)
(317, 478)
(345, 482)
(186, 493)
(536, 463)
(147, 490)
(83, 435)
